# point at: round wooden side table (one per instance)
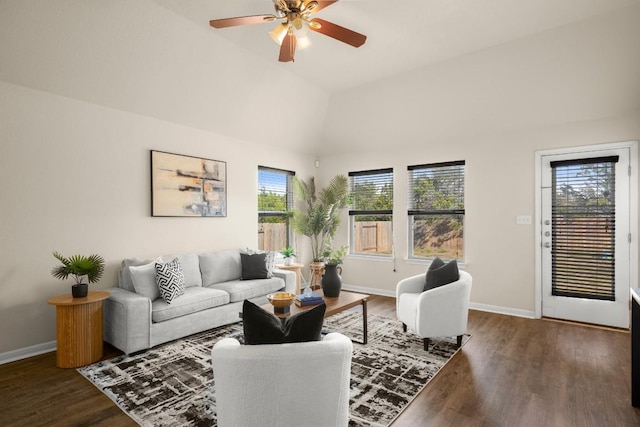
(296, 268)
(78, 329)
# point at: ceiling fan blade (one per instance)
(337, 32)
(241, 20)
(288, 48)
(323, 4)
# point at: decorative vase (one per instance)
(80, 291)
(317, 270)
(288, 260)
(331, 280)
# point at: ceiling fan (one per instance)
(296, 20)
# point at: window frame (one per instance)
(286, 214)
(413, 211)
(354, 212)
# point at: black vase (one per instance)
(80, 291)
(331, 280)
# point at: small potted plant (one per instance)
(79, 266)
(335, 257)
(288, 255)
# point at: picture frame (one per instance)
(187, 186)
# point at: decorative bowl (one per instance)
(281, 301)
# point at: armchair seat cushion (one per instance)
(193, 300)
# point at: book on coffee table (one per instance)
(310, 299)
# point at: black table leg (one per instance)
(365, 333)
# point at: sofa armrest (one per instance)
(289, 278)
(127, 320)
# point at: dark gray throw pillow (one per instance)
(441, 273)
(262, 327)
(254, 266)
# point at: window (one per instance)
(436, 210)
(372, 212)
(275, 201)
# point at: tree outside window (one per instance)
(436, 210)
(275, 202)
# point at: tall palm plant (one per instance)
(321, 215)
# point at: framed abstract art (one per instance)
(186, 186)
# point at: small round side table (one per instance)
(78, 329)
(296, 268)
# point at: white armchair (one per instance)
(283, 384)
(438, 312)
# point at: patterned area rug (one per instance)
(172, 384)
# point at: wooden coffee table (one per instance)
(344, 301)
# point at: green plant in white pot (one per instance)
(79, 266)
(288, 255)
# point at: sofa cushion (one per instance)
(254, 266)
(144, 280)
(124, 275)
(440, 273)
(239, 290)
(261, 327)
(190, 267)
(193, 300)
(170, 279)
(221, 266)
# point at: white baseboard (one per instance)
(23, 353)
(503, 310)
(474, 306)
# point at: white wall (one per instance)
(575, 85)
(499, 185)
(87, 88)
(75, 177)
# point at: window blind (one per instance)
(583, 228)
(275, 191)
(371, 192)
(436, 188)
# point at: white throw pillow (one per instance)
(144, 280)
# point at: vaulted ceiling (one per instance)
(401, 34)
(490, 65)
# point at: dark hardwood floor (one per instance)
(512, 372)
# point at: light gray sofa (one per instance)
(214, 293)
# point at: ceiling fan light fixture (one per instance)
(299, 27)
(309, 7)
(314, 25)
(278, 33)
(303, 42)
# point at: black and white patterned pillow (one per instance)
(170, 280)
(271, 263)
